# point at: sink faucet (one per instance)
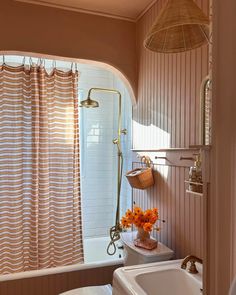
(192, 259)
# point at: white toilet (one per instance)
(94, 290)
(132, 255)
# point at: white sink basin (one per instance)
(160, 278)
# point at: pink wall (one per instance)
(45, 30)
(167, 115)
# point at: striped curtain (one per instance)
(40, 214)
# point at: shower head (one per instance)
(89, 103)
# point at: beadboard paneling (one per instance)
(58, 283)
(182, 212)
(167, 113)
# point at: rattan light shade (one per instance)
(180, 26)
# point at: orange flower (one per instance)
(129, 213)
(155, 211)
(153, 219)
(125, 223)
(129, 216)
(147, 226)
(138, 210)
(145, 219)
(148, 213)
(138, 223)
(138, 220)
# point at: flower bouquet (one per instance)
(144, 221)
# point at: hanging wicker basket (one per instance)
(140, 178)
(180, 26)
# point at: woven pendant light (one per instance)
(180, 26)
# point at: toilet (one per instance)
(94, 290)
(132, 256)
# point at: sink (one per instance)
(164, 282)
(160, 278)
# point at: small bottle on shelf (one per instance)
(195, 176)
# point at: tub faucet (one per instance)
(192, 259)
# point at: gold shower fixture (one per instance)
(89, 103)
(180, 26)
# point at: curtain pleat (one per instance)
(40, 208)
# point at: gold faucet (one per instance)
(192, 259)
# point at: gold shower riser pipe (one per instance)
(116, 141)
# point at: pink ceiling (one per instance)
(122, 8)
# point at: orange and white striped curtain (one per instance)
(40, 209)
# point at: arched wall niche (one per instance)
(103, 65)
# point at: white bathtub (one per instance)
(94, 256)
(95, 250)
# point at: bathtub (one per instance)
(95, 255)
(95, 251)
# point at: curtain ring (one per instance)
(30, 61)
(41, 62)
(3, 59)
(76, 67)
(54, 64)
(72, 64)
(23, 61)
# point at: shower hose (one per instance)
(116, 229)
